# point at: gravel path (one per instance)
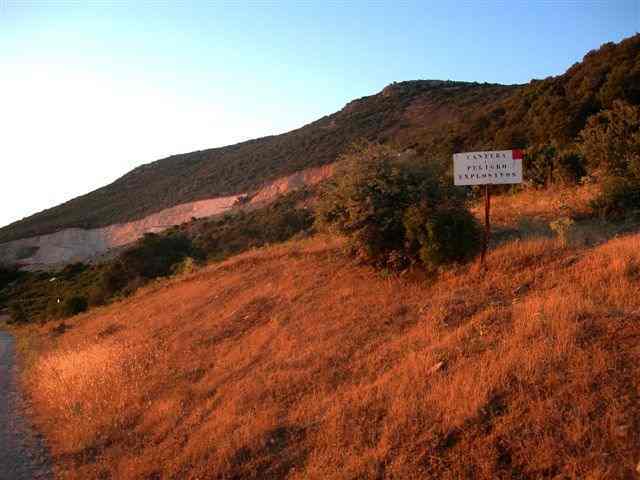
(22, 452)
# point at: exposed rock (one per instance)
(77, 244)
(311, 176)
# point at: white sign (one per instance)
(482, 168)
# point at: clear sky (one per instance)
(90, 90)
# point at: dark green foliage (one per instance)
(154, 255)
(49, 295)
(539, 165)
(377, 200)
(569, 168)
(8, 274)
(611, 144)
(620, 196)
(611, 141)
(545, 165)
(74, 305)
(234, 233)
(367, 197)
(441, 234)
(72, 270)
(39, 296)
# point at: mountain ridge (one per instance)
(201, 166)
(434, 117)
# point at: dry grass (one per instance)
(291, 362)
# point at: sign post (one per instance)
(487, 223)
(498, 167)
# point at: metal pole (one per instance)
(487, 225)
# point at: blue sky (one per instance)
(90, 90)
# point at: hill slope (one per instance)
(246, 166)
(290, 362)
(434, 117)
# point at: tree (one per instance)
(611, 144)
(611, 141)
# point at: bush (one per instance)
(155, 255)
(17, 313)
(546, 165)
(276, 222)
(72, 270)
(442, 234)
(151, 257)
(74, 305)
(611, 141)
(8, 275)
(569, 168)
(539, 165)
(619, 196)
(377, 195)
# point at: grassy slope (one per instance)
(291, 362)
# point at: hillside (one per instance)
(244, 167)
(293, 362)
(435, 118)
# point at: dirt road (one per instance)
(22, 452)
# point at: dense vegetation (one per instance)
(396, 210)
(233, 233)
(611, 141)
(433, 118)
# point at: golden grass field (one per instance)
(293, 362)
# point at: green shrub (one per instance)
(545, 165)
(611, 141)
(8, 275)
(74, 305)
(97, 295)
(72, 270)
(151, 257)
(234, 233)
(378, 196)
(155, 255)
(619, 196)
(442, 234)
(569, 168)
(17, 313)
(539, 165)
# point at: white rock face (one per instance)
(77, 244)
(299, 179)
